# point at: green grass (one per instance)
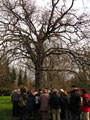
(6, 108)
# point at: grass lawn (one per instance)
(6, 108)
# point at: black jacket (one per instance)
(75, 102)
(54, 101)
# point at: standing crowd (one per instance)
(51, 104)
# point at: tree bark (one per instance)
(38, 78)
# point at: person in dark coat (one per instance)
(22, 104)
(37, 104)
(75, 103)
(64, 105)
(30, 106)
(15, 99)
(55, 105)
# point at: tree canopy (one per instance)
(32, 34)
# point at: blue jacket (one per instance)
(30, 102)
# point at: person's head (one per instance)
(45, 91)
(61, 91)
(23, 90)
(73, 87)
(18, 90)
(55, 90)
(15, 91)
(65, 93)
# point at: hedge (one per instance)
(5, 92)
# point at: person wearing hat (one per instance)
(75, 103)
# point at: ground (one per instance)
(6, 108)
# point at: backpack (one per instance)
(63, 101)
(22, 102)
(86, 101)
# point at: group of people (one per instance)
(51, 104)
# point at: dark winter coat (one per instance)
(30, 102)
(75, 102)
(54, 101)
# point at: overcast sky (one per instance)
(79, 4)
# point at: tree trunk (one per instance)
(38, 78)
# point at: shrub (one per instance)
(5, 92)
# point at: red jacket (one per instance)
(85, 107)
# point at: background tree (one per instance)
(5, 79)
(20, 78)
(26, 32)
(25, 79)
(84, 76)
(13, 75)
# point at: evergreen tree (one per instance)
(25, 77)
(20, 78)
(13, 75)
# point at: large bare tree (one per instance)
(30, 33)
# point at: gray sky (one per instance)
(79, 4)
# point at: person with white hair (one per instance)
(64, 105)
(15, 99)
(61, 90)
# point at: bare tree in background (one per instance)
(29, 33)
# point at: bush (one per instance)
(5, 92)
